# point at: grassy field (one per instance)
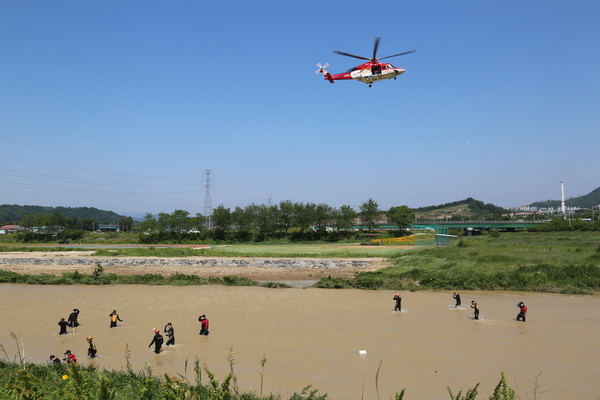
(566, 262)
(320, 250)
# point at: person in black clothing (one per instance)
(63, 326)
(170, 332)
(398, 302)
(475, 308)
(73, 318)
(114, 317)
(92, 348)
(157, 341)
(54, 360)
(456, 297)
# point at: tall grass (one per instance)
(99, 277)
(548, 262)
(72, 381)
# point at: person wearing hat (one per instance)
(73, 318)
(398, 300)
(157, 341)
(92, 347)
(203, 325)
(63, 326)
(522, 312)
(114, 317)
(170, 332)
(70, 357)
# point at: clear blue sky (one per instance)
(121, 105)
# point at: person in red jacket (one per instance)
(203, 325)
(70, 357)
(522, 312)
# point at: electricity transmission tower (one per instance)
(206, 183)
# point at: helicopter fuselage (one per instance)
(370, 72)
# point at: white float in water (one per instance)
(362, 352)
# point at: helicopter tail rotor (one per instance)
(324, 72)
(321, 68)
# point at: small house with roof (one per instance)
(11, 229)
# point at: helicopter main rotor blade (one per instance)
(375, 47)
(396, 55)
(350, 55)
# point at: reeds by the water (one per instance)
(99, 277)
(72, 381)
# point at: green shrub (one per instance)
(238, 281)
(334, 283)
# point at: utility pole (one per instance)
(563, 209)
(206, 184)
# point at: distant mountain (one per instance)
(137, 216)
(12, 213)
(589, 200)
(461, 210)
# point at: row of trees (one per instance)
(57, 222)
(304, 221)
(300, 221)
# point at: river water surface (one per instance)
(314, 336)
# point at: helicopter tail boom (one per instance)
(324, 72)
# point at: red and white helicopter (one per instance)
(369, 72)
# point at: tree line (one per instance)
(13, 213)
(290, 220)
(286, 220)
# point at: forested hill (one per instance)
(462, 209)
(589, 200)
(12, 213)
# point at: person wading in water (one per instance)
(398, 300)
(114, 317)
(63, 326)
(92, 347)
(522, 312)
(475, 308)
(73, 318)
(203, 325)
(157, 341)
(70, 357)
(456, 297)
(170, 333)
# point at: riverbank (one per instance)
(560, 262)
(256, 268)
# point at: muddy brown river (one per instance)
(314, 336)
